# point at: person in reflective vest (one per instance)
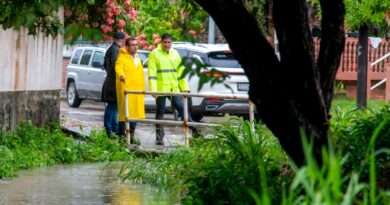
(165, 75)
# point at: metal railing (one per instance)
(376, 62)
(185, 122)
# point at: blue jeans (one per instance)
(111, 118)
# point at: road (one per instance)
(89, 117)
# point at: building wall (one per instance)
(30, 79)
(29, 62)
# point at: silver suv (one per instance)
(85, 74)
(216, 57)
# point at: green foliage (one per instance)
(352, 133)
(362, 12)
(29, 147)
(34, 15)
(174, 17)
(182, 18)
(260, 11)
(220, 170)
(153, 17)
(329, 183)
(239, 166)
(366, 12)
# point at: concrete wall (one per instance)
(30, 77)
(29, 62)
(40, 107)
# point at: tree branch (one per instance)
(332, 45)
(298, 62)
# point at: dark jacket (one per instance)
(109, 89)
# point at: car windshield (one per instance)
(143, 56)
(223, 59)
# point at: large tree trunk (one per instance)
(292, 94)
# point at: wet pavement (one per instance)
(87, 184)
(89, 117)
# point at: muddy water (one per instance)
(92, 184)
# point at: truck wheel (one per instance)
(72, 95)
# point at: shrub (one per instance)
(29, 146)
(220, 170)
(352, 133)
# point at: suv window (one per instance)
(76, 56)
(86, 57)
(143, 56)
(223, 59)
(182, 52)
(201, 55)
(98, 59)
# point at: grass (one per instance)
(236, 165)
(215, 171)
(241, 166)
(29, 147)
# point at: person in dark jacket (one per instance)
(109, 86)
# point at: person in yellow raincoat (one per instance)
(130, 76)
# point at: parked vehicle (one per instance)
(216, 57)
(85, 77)
(85, 74)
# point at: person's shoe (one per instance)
(196, 133)
(160, 142)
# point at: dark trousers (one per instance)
(111, 118)
(177, 104)
(122, 128)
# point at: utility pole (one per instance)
(362, 71)
(211, 39)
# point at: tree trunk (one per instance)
(288, 93)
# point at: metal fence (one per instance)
(185, 122)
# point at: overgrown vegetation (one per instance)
(215, 171)
(241, 166)
(238, 164)
(29, 146)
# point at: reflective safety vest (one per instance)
(165, 70)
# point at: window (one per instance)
(223, 59)
(86, 57)
(98, 59)
(202, 56)
(143, 56)
(76, 56)
(182, 52)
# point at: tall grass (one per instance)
(220, 170)
(353, 132)
(242, 166)
(29, 146)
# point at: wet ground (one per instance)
(89, 117)
(91, 184)
(88, 184)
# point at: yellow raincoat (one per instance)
(132, 69)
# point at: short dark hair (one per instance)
(166, 36)
(129, 39)
(119, 35)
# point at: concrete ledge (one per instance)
(39, 107)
